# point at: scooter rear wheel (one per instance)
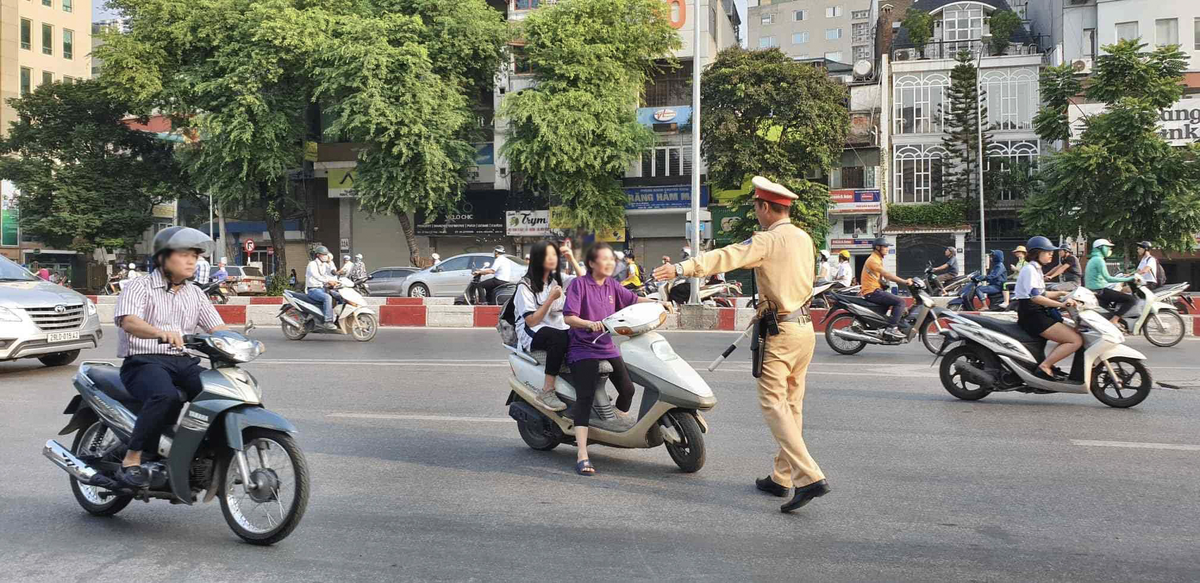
(1135, 382)
(689, 453)
(955, 382)
(292, 332)
(838, 344)
(96, 501)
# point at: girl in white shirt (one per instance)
(1037, 309)
(538, 305)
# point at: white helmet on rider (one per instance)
(132, 266)
(1102, 243)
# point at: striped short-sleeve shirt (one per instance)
(184, 310)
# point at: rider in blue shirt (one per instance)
(996, 276)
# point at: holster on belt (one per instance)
(757, 349)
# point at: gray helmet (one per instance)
(881, 242)
(320, 250)
(179, 239)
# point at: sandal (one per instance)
(585, 468)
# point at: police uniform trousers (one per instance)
(781, 395)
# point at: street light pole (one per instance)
(696, 20)
(210, 216)
(979, 140)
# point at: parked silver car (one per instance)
(389, 281)
(42, 320)
(451, 277)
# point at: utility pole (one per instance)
(696, 21)
(979, 139)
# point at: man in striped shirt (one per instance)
(153, 314)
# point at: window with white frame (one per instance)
(667, 160)
(767, 42)
(799, 38)
(833, 11)
(919, 102)
(1012, 98)
(918, 173)
(1127, 31)
(1017, 156)
(860, 32)
(860, 14)
(799, 15)
(862, 52)
(859, 177)
(768, 19)
(961, 24)
(1166, 32)
(833, 33)
(857, 226)
(835, 56)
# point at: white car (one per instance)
(451, 277)
(42, 320)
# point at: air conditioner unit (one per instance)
(1082, 66)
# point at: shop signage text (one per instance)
(1178, 124)
(341, 182)
(856, 202)
(663, 197)
(480, 213)
(528, 223)
(839, 244)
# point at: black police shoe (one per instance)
(770, 487)
(134, 476)
(805, 495)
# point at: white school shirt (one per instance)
(1030, 282)
(844, 274)
(503, 268)
(525, 302)
(1152, 276)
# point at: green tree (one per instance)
(402, 77)
(1122, 180)
(919, 25)
(1002, 24)
(576, 131)
(1058, 87)
(767, 114)
(86, 178)
(964, 109)
(234, 73)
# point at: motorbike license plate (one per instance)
(62, 337)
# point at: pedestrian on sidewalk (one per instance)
(783, 260)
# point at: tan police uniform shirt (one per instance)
(782, 256)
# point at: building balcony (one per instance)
(949, 50)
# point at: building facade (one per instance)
(841, 31)
(919, 83)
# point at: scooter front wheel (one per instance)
(269, 512)
(1135, 382)
(689, 452)
(365, 326)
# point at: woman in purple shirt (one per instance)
(591, 299)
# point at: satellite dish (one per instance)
(862, 68)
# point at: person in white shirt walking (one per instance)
(1147, 265)
(317, 277)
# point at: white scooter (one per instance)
(673, 395)
(990, 354)
(1155, 315)
(300, 316)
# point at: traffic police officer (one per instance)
(782, 256)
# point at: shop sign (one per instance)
(528, 223)
(663, 197)
(481, 213)
(163, 211)
(725, 220)
(341, 182)
(855, 202)
(10, 230)
(612, 235)
(1178, 124)
(310, 151)
(852, 244)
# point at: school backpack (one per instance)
(506, 326)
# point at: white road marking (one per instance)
(1136, 445)
(398, 417)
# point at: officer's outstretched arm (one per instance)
(748, 253)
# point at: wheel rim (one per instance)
(95, 439)
(272, 469)
(418, 291)
(843, 343)
(683, 449)
(1128, 372)
(958, 380)
(933, 338)
(364, 326)
(1164, 328)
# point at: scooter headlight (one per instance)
(238, 348)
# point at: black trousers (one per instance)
(1122, 301)
(554, 342)
(587, 377)
(488, 289)
(886, 299)
(155, 380)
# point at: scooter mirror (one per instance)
(247, 328)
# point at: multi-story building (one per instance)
(919, 83)
(42, 41)
(842, 31)
(857, 185)
(99, 27)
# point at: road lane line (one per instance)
(1135, 445)
(399, 417)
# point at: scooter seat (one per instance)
(108, 380)
(540, 357)
(861, 301)
(1007, 327)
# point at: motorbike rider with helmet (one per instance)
(844, 275)
(317, 277)
(1037, 309)
(1147, 265)
(1096, 278)
(153, 314)
(823, 272)
(872, 289)
(996, 277)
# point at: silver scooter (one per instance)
(989, 354)
(1154, 314)
(673, 395)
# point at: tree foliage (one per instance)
(1058, 86)
(1122, 180)
(575, 132)
(766, 114)
(86, 178)
(919, 25)
(1002, 24)
(964, 110)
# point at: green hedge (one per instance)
(936, 214)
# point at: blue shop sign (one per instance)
(663, 197)
(677, 114)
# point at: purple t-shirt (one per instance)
(592, 301)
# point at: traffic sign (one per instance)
(249, 246)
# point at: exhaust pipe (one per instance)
(975, 375)
(842, 333)
(68, 462)
(290, 320)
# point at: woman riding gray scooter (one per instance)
(1037, 309)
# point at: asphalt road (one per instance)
(419, 475)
